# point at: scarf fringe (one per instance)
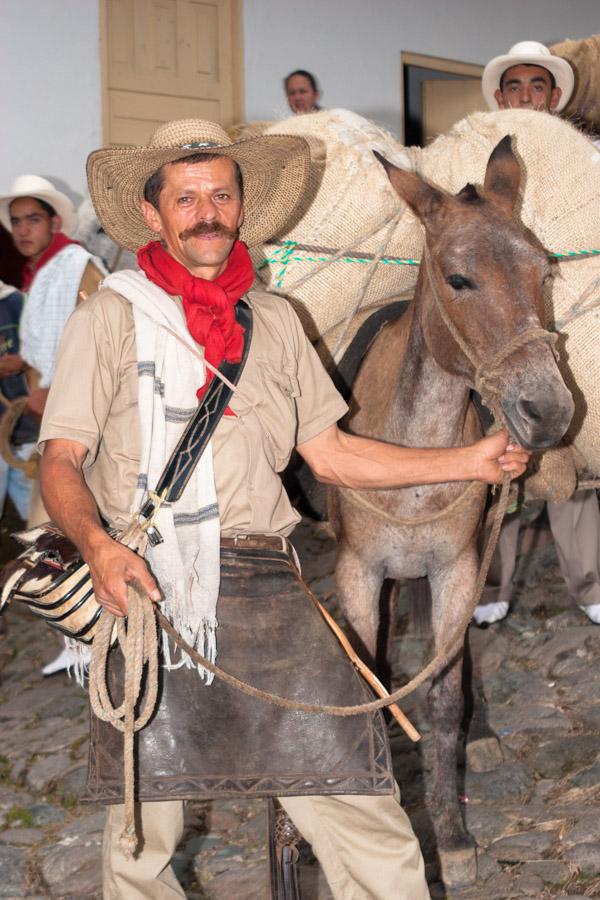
(78, 669)
(204, 641)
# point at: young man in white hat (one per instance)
(56, 271)
(181, 202)
(41, 220)
(529, 76)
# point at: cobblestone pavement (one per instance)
(534, 816)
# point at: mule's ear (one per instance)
(423, 199)
(503, 175)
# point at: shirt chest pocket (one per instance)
(276, 410)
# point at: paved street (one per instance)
(534, 817)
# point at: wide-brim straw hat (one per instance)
(40, 189)
(275, 170)
(527, 53)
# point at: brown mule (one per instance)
(480, 293)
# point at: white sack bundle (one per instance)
(351, 206)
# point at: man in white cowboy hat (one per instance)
(134, 349)
(529, 76)
(41, 220)
(56, 271)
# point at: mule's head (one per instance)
(484, 284)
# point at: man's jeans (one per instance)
(15, 483)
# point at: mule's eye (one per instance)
(460, 283)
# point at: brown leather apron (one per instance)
(210, 742)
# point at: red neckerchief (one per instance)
(59, 242)
(208, 305)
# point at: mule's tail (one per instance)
(419, 605)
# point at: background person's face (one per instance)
(527, 87)
(32, 228)
(300, 95)
(194, 193)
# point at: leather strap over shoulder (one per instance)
(196, 436)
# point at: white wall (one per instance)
(51, 101)
(50, 62)
(353, 46)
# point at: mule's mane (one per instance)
(469, 194)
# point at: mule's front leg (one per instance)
(358, 587)
(451, 589)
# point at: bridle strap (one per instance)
(485, 372)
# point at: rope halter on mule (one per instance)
(486, 372)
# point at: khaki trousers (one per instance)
(575, 527)
(366, 847)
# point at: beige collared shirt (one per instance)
(284, 398)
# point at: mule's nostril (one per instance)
(529, 410)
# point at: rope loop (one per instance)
(138, 642)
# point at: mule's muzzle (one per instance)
(538, 419)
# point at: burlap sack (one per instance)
(350, 199)
(554, 477)
(350, 205)
(584, 58)
(243, 131)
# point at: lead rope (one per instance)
(139, 643)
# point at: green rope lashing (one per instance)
(573, 254)
(283, 255)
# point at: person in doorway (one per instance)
(302, 92)
(530, 77)
(182, 201)
(56, 272)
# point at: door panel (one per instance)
(446, 102)
(168, 59)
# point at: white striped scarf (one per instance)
(186, 564)
(50, 301)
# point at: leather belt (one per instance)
(262, 542)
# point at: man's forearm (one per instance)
(343, 459)
(363, 463)
(70, 504)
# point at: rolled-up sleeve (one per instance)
(318, 404)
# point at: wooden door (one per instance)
(446, 102)
(169, 59)
(436, 94)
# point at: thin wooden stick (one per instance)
(369, 676)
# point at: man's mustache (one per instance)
(201, 228)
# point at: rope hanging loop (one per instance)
(138, 642)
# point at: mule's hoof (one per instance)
(484, 754)
(458, 867)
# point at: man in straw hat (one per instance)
(181, 202)
(529, 76)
